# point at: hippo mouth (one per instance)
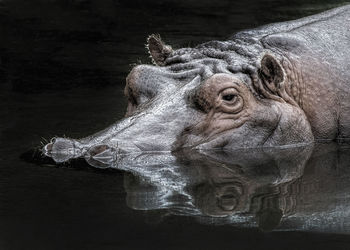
(99, 155)
(62, 150)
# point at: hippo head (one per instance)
(222, 95)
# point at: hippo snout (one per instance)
(62, 149)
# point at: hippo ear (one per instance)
(158, 50)
(271, 73)
(272, 80)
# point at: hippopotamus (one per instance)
(280, 85)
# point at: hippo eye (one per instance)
(231, 100)
(229, 97)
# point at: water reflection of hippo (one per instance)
(300, 188)
(281, 84)
(238, 185)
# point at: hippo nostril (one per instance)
(101, 155)
(97, 150)
(47, 149)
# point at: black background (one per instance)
(62, 70)
(59, 44)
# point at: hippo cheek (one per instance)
(287, 126)
(241, 137)
(220, 131)
(270, 124)
(250, 128)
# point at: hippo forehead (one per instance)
(185, 64)
(237, 58)
(149, 80)
(233, 56)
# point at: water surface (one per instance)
(62, 71)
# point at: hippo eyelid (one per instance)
(229, 90)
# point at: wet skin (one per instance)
(285, 84)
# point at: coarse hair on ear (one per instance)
(158, 50)
(272, 78)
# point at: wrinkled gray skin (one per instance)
(282, 84)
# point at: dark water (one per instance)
(62, 70)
